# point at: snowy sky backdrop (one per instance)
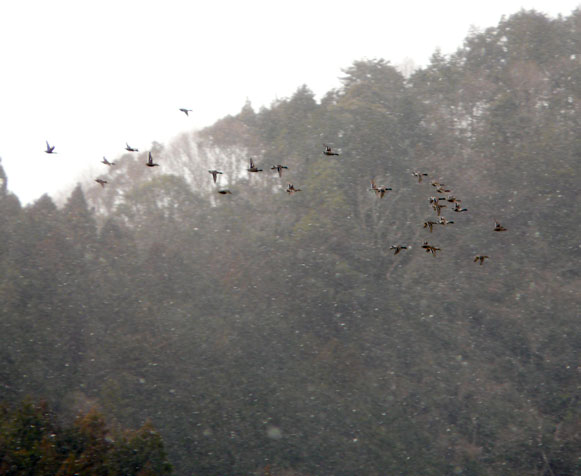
(88, 77)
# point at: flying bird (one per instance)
(451, 199)
(379, 191)
(150, 162)
(253, 167)
(481, 258)
(443, 221)
(185, 111)
(429, 248)
(101, 182)
(224, 192)
(215, 174)
(498, 226)
(329, 151)
(49, 149)
(106, 162)
(419, 175)
(279, 168)
(291, 189)
(129, 148)
(438, 208)
(458, 208)
(430, 224)
(397, 248)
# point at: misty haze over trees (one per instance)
(269, 334)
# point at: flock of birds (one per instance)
(437, 206)
(380, 191)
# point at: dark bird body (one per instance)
(215, 174)
(291, 189)
(397, 248)
(329, 151)
(498, 227)
(438, 208)
(419, 175)
(150, 162)
(430, 225)
(481, 258)
(129, 148)
(49, 149)
(253, 167)
(279, 168)
(106, 162)
(379, 191)
(185, 111)
(101, 182)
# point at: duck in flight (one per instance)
(279, 168)
(438, 208)
(129, 148)
(481, 258)
(443, 221)
(429, 248)
(458, 208)
(49, 149)
(150, 162)
(419, 175)
(253, 167)
(225, 192)
(329, 151)
(215, 174)
(185, 111)
(291, 189)
(379, 191)
(397, 248)
(451, 199)
(101, 182)
(430, 225)
(106, 162)
(498, 226)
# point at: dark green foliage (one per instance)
(262, 330)
(33, 442)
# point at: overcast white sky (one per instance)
(89, 76)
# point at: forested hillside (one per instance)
(270, 333)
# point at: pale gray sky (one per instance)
(89, 76)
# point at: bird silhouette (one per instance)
(215, 174)
(49, 149)
(185, 111)
(397, 248)
(150, 162)
(419, 175)
(329, 151)
(430, 249)
(430, 225)
(291, 189)
(379, 191)
(129, 148)
(106, 162)
(253, 167)
(279, 168)
(498, 226)
(438, 208)
(481, 258)
(225, 192)
(101, 182)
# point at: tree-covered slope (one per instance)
(264, 332)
